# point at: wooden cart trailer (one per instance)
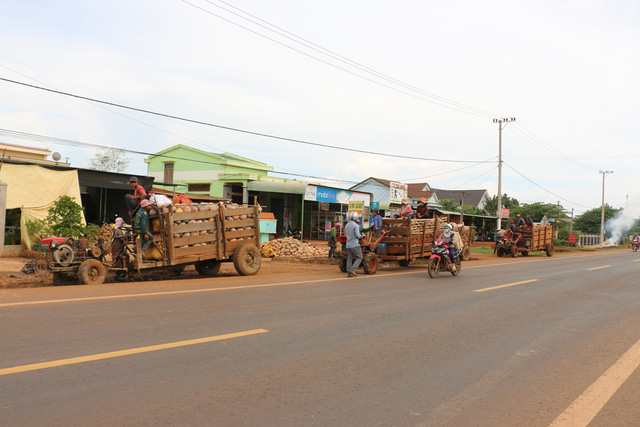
(203, 235)
(536, 238)
(409, 239)
(525, 240)
(405, 240)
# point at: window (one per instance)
(198, 187)
(168, 173)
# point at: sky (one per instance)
(422, 79)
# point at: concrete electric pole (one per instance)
(499, 210)
(604, 173)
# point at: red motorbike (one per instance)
(439, 260)
(634, 246)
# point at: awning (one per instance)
(278, 187)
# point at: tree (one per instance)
(589, 222)
(539, 210)
(65, 218)
(109, 160)
(491, 205)
(450, 205)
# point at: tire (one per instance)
(549, 249)
(404, 262)
(433, 268)
(458, 267)
(466, 253)
(514, 251)
(122, 275)
(370, 263)
(92, 272)
(500, 252)
(246, 259)
(525, 253)
(208, 268)
(343, 265)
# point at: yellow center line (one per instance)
(598, 268)
(128, 352)
(505, 286)
(582, 411)
(636, 260)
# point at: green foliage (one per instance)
(91, 232)
(539, 210)
(65, 218)
(491, 206)
(39, 227)
(450, 205)
(589, 222)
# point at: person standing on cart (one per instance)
(354, 252)
(140, 224)
(133, 200)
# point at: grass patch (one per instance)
(481, 250)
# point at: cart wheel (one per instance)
(92, 272)
(466, 253)
(246, 259)
(549, 249)
(458, 267)
(500, 252)
(514, 251)
(404, 262)
(370, 263)
(525, 253)
(209, 267)
(343, 265)
(433, 268)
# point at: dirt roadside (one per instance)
(282, 267)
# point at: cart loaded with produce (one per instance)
(204, 235)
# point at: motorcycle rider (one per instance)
(447, 237)
(635, 240)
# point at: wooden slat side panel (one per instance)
(195, 250)
(204, 238)
(240, 233)
(188, 228)
(186, 216)
(251, 210)
(240, 223)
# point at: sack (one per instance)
(153, 253)
(184, 199)
(457, 241)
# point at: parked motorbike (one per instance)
(634, 246)
(439, 260)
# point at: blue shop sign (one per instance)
(326, 195)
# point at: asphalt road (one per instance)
(560, 342)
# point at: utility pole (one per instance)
(499, 210)
(571, 226)
(462, 209)
(604, 173)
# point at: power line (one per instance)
(541, 187)
(479, 176)
(435, 99)
(446, 172)
(297, 141)
(62, 141)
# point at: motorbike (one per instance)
(439, 260)
(634, 246)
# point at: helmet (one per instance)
(353, 216)
(447, 227)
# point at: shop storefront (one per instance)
(305, 208)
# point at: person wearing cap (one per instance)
(354, 252)
(512, 227)
(529, 221)
(423, 210)
(140, 223)
(333, 239)
(521, 222)
(133, 200)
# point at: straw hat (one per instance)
(404, 200)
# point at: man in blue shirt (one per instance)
(354, 252)
(376, 222)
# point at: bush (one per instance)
(560, 242)
(38, 228)
(65, 218)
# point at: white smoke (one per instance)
(622, 222)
